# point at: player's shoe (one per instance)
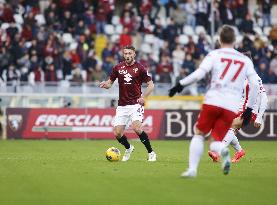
(226, 161)
(215, 156)
(152, 157)
(189, 173)
(238, 155)
(128, 153)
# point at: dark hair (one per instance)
(129, 47)
(227, 35)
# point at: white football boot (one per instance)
(128, 153)
(226, 160)
(152, 157)
(189, 173)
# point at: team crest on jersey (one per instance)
(135, 70)
(127, 76)
(15, 122)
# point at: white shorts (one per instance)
(128, 114)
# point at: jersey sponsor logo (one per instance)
(122, 72)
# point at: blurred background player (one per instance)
(256, 117)
(229, 68)
(130, 75)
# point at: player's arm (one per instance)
(106, 84)
(253, 80)
(262, 108)
(149, 89)
(197, 75)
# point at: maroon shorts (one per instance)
(215, 119)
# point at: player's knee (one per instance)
(118, 133)
(137, 130)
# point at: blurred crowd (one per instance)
(80, 40)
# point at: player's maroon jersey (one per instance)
(130, 79)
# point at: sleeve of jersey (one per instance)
(204, 68)
(262, 107)
(114, 74)
(145, 76)
(253, 80)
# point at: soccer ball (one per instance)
(113, 154)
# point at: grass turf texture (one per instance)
(77, 172)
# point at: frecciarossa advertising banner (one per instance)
(70, 123)
(66, 123)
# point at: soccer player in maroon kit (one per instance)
(130, 75)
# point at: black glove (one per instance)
(177, 88)
(246, 116)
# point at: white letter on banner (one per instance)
(41, 119)
(171, 120)
(189, 124)
(51, 120)
(61, 119)
(271, 124)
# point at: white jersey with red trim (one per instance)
(229, 68)
(260, 104)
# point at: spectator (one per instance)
(164, 70)
(98, 74)
(241, 11)
(266, 6)
(50, 73)
(190, 9)
(246, 25)
(188, 65)
(273, 69)
(11, 75)
(263, 69)
(227, 14)
(202, 13)
(36, 75)
(258, 15)
(179, 18)
(77, 77)
(145, 7)
(178, 56)
(125, 39)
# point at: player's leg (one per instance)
(137, 127)
(137, 118)
(221, 127)
(231, 139)
(196, 149)
(204, 124)
(120, 122)
(121, 138)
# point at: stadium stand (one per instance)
(79, 41)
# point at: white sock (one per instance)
(217, 146)
(235, 144)
(230, 135)
(196, 149)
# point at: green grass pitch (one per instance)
(77, 172)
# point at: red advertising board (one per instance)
(68, 123)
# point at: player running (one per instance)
(130, 75)
(229, 68)
(256, 117)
